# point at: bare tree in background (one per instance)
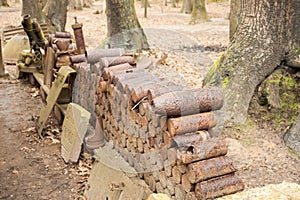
(52, 12)
(199, 13)
(4, 3)
(187, 6)
(124, 29)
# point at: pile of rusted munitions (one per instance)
(163, 131)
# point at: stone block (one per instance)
(73, 131)
(158, 197)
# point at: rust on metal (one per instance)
(77, 28)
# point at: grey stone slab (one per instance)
(73, 132)
(292, 137)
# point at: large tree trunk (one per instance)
(75, 4)
(187, 6)
(234, 16)
(124, 29)
(4, 3)
(56, 13)
(34, 9)
(199, 13)
(267, 31)
(52, 12)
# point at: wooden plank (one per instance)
(54, 92)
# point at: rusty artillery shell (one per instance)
(187, 102)
(190, 139)
(219, 186)
(94, 56)
(78, 58)
(63, 35)
(191, 123)
(112, 61)
(210, 148)
(77, 28)
(206, 169)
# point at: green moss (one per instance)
(213, 68)
(249, 141)
(225, 82)
(289, 82)
(289, 101)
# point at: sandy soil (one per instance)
(33, 169)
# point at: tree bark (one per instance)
(124, 29)
(56, 13)
(266, 33)
(199, 13)
(34, 9)
(75, 4)
(234, 16)
(4, 3)
(187, 6)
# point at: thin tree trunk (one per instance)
(124, 29)
(199, 13)
(267, 31)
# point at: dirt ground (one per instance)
(31, 168)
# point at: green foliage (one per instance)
(225, 82)
(213, 69)
(279, 100)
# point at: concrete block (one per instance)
(159, 197)
(73, 131)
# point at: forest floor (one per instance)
(31, 168)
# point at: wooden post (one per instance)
(2, 70)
